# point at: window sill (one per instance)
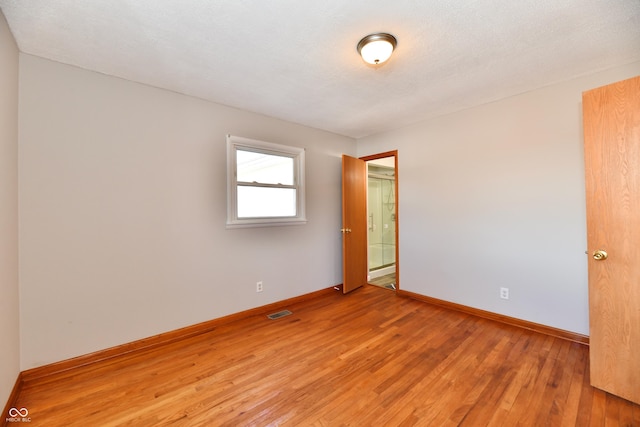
(266, 223)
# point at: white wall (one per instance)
(122, 210)
(494, 197)
(123, 204)
(9, 299)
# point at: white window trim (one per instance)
(235, 142)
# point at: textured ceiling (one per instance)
(297, 60)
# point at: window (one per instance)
(265, 183)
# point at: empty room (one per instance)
(243, 213)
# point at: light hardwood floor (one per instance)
(369, 358)
(388, 281)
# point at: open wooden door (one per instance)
(354, 223)
(612, 164)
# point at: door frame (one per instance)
(394, 154)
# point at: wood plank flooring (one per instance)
(368, 358)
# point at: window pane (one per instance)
(264, 168)
(264, 202)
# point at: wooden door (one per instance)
(612, 159)
(354, 223)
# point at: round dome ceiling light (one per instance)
(377, 48)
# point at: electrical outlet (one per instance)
(504, 293)
(259, 286)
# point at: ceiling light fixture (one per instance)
(377, 48)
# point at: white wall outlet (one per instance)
(259, 286)
(504, 293)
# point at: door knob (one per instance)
(600, 255)
(345, 230)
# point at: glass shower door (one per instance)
(381, 223)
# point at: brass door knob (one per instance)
(345, 230)
(600, 255)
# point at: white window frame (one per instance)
(297, 154)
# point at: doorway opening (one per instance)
(382, 229)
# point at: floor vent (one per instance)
(279, 314)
